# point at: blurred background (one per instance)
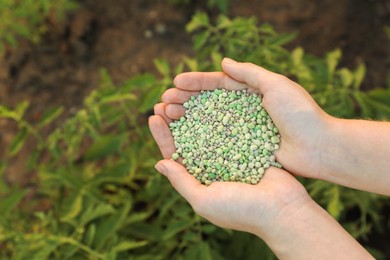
(78, 79)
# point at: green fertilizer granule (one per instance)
(225, 136)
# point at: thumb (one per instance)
(251, 74)
(180, 179)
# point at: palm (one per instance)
(226, 204)
(302, 126)
(301, 122)
(230, 204)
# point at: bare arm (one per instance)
(357, 155)
(353, 153)
(310, 232)
(278, 209)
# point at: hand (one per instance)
(302, 123)
(278, 209)
(251, 208)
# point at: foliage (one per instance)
(96, 167)
(221, 5)
(25, 19)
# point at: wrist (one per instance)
(284, 221)
(306, 231)
(288, 199)
(326, 154)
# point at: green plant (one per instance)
(95, 169)
(221, 5)
(26, 19)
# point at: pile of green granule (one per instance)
(225, 136)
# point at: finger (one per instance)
(186, 184)
(159, 109)
(252, 74)
(175, 111)
(162, 135)
(177, 96)
(196, 81)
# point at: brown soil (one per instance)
(125, 36)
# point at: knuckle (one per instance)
(156, 108)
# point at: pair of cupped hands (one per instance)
(303, 125)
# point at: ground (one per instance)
(125, 36)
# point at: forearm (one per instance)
(357, 155)
(310, 232)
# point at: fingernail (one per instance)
(228, 60)
(161, 168)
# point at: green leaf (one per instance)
(223, 22)
(283, 39)
(346, 77)
(380, 108)
(18, 141)
(222, 5)
(208, 228)
(129, 245)
(198, 251)
(359, 75)
(335, 206)
(175, 227)
(74, 209)
(360, 99)
(90, 235)
(50, 115)
(199, 20)
(380, 95)
(246, 246)
(191, 63)
(92, 213)
(139, 217)
(16, 114)
(8, 203)
(104, 146)
(297, 55)
(115, 174)
(179, 68)
(45, 251)
(147, 231)
(169, 204)
(151, 98)
(216, 57)
(117, 97)
(105, 79)
(139, 82)
(332, 60)
(109, 226)
(200, 39)
(162, 67)
(11, 40)
(21, 108)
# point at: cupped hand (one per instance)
(278, 209)
(252, 208)
(245, 207)
(302, 123)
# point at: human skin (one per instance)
(352, 153)
(278, 209)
